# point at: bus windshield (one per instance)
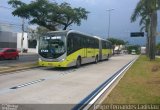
(52, 46)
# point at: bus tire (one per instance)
(96, 59)
(78, 62)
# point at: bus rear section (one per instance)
(105, 49)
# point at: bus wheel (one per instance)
(78, 62)
(96, 59)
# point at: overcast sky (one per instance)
(98, 18)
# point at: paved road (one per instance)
(22, 59)
(58, 86)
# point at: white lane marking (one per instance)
(26, 84)
(52, 77)
(107, 86)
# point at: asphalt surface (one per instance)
(58, 86)
(24, 58)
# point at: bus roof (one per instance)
(74, 31)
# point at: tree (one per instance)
(71, 16)
(49, 14)
(147, 10)
(133, 47)
(35, 34)
(116, 41)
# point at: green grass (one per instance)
(140, 85)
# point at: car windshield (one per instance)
(52, 46)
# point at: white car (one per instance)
(133, 52)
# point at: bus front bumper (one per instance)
(53, 64)
(57, 64)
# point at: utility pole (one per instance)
(109, 12)
(22, 38)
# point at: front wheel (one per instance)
(78, 63)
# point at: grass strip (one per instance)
(140, 84)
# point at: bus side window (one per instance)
(81, 41)
(97, 43)
(75, 43)
(104, 45)
(70, 44)
(84, 42)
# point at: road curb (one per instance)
(17, 69)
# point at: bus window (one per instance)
(70, 45)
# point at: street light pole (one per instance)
(109, 10)
(23, 22)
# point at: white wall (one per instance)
(25, 43)
(32, 50)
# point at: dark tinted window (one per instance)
(77, 41)
(9, 50)
(74, 43)
(13, 50)
(104, 45)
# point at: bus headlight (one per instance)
(62, 60)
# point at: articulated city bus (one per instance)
(71, 48)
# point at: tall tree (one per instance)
(71, 15)
(49, 14)
(144, 21)
(147, 10)
(116, 41)
(38, 12)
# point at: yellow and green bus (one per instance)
(71, 48)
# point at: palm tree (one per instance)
(145, 23)
(147, 10)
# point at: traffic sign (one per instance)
(137, 34)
